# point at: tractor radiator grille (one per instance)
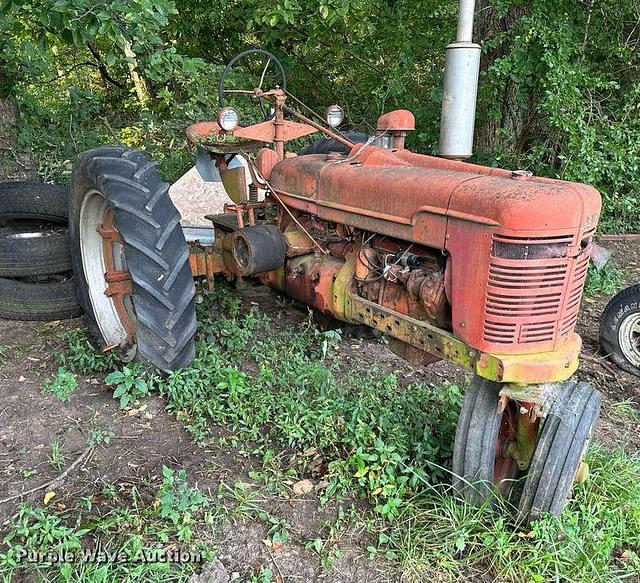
(574, 293)
(534, 289)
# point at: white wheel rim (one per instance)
(92, 214)
(629, 338)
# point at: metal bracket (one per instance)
(541, 396)
(524, 369)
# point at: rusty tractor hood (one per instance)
(415, 197)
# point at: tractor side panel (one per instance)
(395, 201)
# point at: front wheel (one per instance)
(562, 444)
(501, 442)
(485, 456)
(130, 258)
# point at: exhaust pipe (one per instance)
(462, 68)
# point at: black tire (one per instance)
(33, 200)
(27, 249)
(49, 299)
(156, 253)
(474, 454)
(613, 331)
(561, 444)
(326, 145)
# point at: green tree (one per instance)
(559, 93)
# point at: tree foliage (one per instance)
(560, 87)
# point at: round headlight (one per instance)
(335, 115)
(228, 119)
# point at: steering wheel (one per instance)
(222, 90)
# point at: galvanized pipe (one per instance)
(462, 68)
(466, 12)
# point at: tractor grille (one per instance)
(534, 289)
(574, 293)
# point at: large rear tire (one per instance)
(130, 258)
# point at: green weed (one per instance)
(34, 529)
(100, 437)
(330, 339)
(370, 429)
(238, 501)
(596, 539)
(606, 280)
(64, 383)
(260, 575)
(79, 355)
(110, 544)
(19, 350)
(177, 500)
(56, 459)
(627, 408)
(325, 545)
(374, 433)
(129, 383)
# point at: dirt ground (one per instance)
(616, 386)
(148, 438)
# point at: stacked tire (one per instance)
(36, 282)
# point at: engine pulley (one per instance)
(254, 250)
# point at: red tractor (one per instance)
(481, 266)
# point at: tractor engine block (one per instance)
(408, 279)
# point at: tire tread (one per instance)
(610, 324)
(165, 314)
(55, 300)
(570, 420)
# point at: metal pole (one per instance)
(278, 128)
(462, 68)
(466, 12)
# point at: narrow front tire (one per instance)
(487, 425)
(562, 444)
